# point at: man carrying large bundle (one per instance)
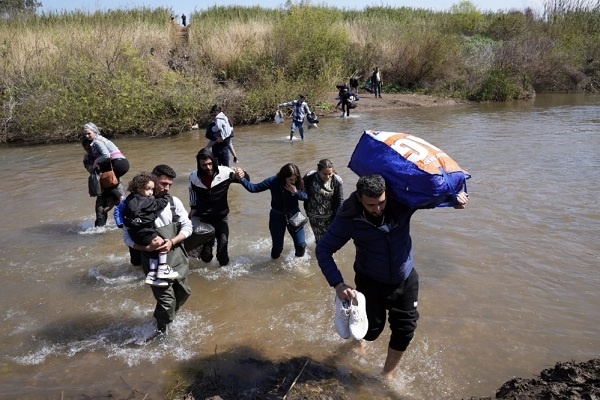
(379, 226)
(377, 219)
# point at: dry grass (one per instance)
(224, 46)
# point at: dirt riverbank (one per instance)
(367, 101)
(306, 379)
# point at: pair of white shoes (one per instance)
(156, 276)
(351, 317)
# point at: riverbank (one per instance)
(298, 379)
(368, 102)
(163, 79)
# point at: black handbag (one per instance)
(296, 221)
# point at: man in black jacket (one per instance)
(209, 186)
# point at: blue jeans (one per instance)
(300, 125)
(221, 152)
(277, 227)
(377, 88)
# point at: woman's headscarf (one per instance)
(92, 127)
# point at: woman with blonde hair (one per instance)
(107, 156)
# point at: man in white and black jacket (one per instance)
(209, 186)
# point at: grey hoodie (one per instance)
(222, 126)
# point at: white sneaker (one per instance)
(152, 280)
(359, 324)
(166, 272)
(342, 317)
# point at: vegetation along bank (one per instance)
(137, 72)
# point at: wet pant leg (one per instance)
(101, 215)
(222, 236)
(135, 257)
(401, 302)
(277, 226)
(299, 239)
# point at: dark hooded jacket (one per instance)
(383, 254)
(211, 201)
(141, 211)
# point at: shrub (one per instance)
(496, 87)
(308, 45)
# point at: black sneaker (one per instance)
(300, 251)
(206, 253)
(223, 261)
(162, 328)
(161, 332)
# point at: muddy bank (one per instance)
(307, 379)
(565, 381)
(368, 102)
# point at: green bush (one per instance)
(464, 18)
(496, 87)
(308, 45)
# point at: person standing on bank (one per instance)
(209, 186)
(380, 229)
(376, 82)
(299, 112)
(107, 156)
(174, 226)
(325, 196)
(286, 190)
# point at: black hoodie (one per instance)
(211, 201)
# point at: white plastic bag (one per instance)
(278, 117)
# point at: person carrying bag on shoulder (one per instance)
(109, 161)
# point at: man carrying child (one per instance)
(173, 226)
(140, 211)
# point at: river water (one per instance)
(509, 285)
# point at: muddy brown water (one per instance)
(508, 286)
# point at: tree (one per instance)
(11, 7)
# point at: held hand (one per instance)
(166, 245)
(155, 244)
(345, 292)
(463, 199)
(239, 173)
